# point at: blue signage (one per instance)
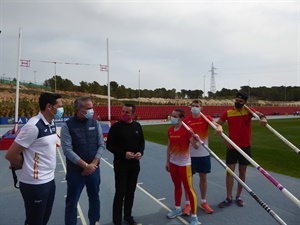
(23, 120)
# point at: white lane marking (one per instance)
(152, 197)
(83, 221)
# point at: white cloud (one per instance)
(173, 43)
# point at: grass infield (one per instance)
(268, 150)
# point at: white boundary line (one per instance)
(83, 221)
(152, 197)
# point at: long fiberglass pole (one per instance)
(258, 167)
(276, 133)
(261, 202)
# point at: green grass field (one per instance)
(268, 150)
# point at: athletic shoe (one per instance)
(194, 221)
(130, 221)
(186, 210)
(174, 213)
(239, 201)
(206, 208)
(225, 203)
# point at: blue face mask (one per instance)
(196, 110)
(174, 120)
(59, 113)
(89, 113)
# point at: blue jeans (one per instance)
(75, 183)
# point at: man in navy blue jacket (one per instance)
(82, 143)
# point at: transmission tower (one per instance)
(212, 80)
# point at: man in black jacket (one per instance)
(126, 141)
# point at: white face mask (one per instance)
(196, 110)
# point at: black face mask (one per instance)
(238, 105)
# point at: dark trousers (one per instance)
(75, 183)
(126, 175)
(38, 201)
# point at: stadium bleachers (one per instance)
(277, 110)
(152, 112)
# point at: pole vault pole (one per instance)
(261, 202)
(258, 167)
(275, 132)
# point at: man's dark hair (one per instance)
(242, 95)
(181, 112)
(46, 98)
(131, 105)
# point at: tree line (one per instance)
(276, 93)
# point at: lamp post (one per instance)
(285, 92)
(139, 87)
(54, 77)
(34, 76)
(249, 89)
(204, 86)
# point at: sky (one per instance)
(154, 44)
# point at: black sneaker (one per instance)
(225, 203)
(130, 221)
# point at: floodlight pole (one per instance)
(34, 76)
(248, 89)
(285, 92)
(55, 76)
(204, 86)
(139, 87)
(108, 83)
(18, 83)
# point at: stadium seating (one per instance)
(152, 112)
